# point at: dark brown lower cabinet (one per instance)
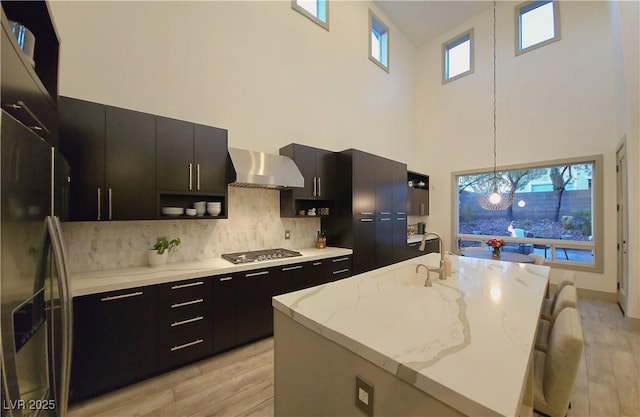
(225, 312)
(414, 251)
(254, 314)
(114, 340)
(124, 336)
(184, 322)
(340, 268)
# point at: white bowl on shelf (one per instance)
(191, 212)
(213, 211)
(201, 207)
(172, 211)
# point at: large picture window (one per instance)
(556, 212)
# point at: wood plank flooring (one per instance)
(240, 382)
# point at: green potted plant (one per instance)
(160, 252)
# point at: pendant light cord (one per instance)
(494, 90)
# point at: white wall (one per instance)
(555, 102)
(272, 77)
(625, 18)
(258, 68)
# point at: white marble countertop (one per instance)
(466, 341)
(85, 283)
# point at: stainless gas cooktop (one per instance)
(259, 255)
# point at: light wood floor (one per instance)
(240, 382)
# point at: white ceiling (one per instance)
(424, 20)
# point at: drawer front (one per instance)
(185, 340)
(340, 268)
(180, 291)
(185, 299)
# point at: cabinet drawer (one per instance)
(182, 351)
(340, 268)
(178, 332)
(186, 310)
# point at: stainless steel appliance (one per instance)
(259, 255)
(35, 309)
(262, 170)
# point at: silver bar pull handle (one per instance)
(366, 220)
(187, 321)
(317, 263)
(190, 176)
(191, 284)
(186, 345)
(401, 218)
(99, 204)
(187, 303)
(110, 204)
(385, 219)
(366, 213)
(385, 213)
(315, 187)
(119, 297)
(340, 271)
(255, 274)
(319, 188)
(225, 279)
(198, 177)
(292, 268)
(339, 260)
(21, 105)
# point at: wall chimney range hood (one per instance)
(262, 170)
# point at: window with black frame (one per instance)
(555, 211)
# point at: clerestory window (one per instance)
(537, 24)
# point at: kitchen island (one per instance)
(461, 347)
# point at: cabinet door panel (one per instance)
(400, 206)
(364, 183)
(384, 186)
(384, 241)
(210, 158)
(130, 165)
(305, 159)
(114, 336)
(364, 245)
(82, 142)
(255, 314)
(326, 172)
(225, 311)
(174, 154)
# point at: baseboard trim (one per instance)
(598, 295)
(633, 323)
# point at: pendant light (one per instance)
(494, 193)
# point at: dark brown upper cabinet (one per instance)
(190, 157)
(318, 167)
(30, 88)
(111, 152)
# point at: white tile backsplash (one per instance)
(254, 223)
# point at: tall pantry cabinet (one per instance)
(371, 210)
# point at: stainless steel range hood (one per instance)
(263, 170)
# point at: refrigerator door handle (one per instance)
(59, 255)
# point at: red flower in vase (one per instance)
(496, 243)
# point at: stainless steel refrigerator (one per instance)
(35, 309)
